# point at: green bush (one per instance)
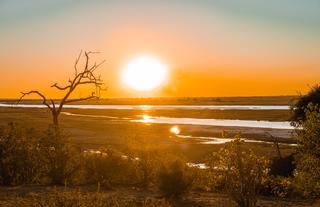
(147, 167)
(27, 156)
(174, 180)
(242, 172)
(308, 158)
(300, 107)
(202, 181)
(105, 166)
(279, 187)
(19, 153)
(283, 166)
(146, 156)
(61, 160)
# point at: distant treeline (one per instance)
(250, 100)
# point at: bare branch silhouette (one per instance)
(85, 76)
(60, 88)
(44, 99)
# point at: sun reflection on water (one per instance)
(146, 118)
(175, 130)
(145, 107)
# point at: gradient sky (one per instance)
(213, 48)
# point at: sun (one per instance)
(144, 73)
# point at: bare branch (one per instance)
(93, 52)
(95, 66)
(85, 76)
(60, 88)
(76, 63)
(90, 82)
(87, 60)
(81, 99)
(44, 99)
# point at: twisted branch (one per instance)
(85, 77)
(44, 99)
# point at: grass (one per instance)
(46, 196)
(77, 198)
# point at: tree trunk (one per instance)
(55, 119)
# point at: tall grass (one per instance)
(81, 199)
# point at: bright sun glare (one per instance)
(144, 73)
(175, 130)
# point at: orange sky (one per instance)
(212, 49)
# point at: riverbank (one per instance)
(95, 132)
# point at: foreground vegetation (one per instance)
(120, 196)
(158, 175)
(32, 157)
(80, 199)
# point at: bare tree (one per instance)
(84, 76)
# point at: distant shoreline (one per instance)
(239, 100)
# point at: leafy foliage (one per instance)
(104, 166)
(283, 166)
(308, 159)
(279, 187)
(30, 157)
(300, 107)
(60, 159)
(242, 171)
(19, 154)
(174, 180)
(147, 158)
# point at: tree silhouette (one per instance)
(299, 114)
(85, 76)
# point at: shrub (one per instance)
(104, 166)
(19, 153)
(308, 158)
(147, 166)
(146, 156)
(174, 180)
(61, 160)
(299, 109)
(27, 156)
(279, 187)
(202, 180)
(283, 166)
(242, 171)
